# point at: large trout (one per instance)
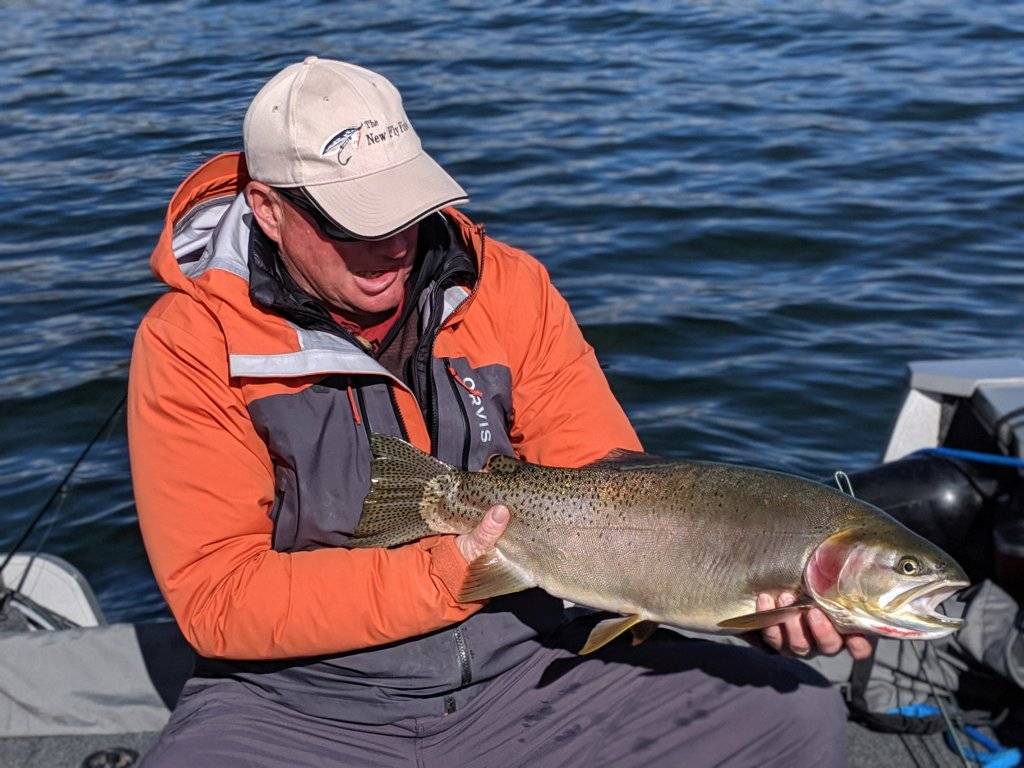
(690, 544)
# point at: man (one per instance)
(323, 289)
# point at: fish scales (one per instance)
(684, 543)
(566, 524)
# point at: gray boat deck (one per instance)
(866, 750)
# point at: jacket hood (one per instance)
(203, 252)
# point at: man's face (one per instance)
(361, 280)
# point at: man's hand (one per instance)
(485, 535)
(795, 634)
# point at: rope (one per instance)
(975, 456)
(59, 493)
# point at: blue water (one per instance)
(759, 211)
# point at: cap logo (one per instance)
(370, 130)
(341, 141)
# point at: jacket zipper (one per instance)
(462, 648)
(434, 418)
(398, 413)
(463, 652)
(462, 405)
(362, 407)
(479, 278)
(431, 387)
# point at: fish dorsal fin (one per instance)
(606, 631)
(491, 575)
(619, 458)
(764, 619)
(502, 464)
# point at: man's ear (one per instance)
(266, 207)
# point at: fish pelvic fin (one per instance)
(642, 631)
(606, 631)
(491, 575)
(765, 619)
(406, 485)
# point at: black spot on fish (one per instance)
(643, 743)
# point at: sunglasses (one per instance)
(326, 226)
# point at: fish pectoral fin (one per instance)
(606, 631)
(764, 619)
(491, 575)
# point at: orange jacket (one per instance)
(205, 480)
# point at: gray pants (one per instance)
(672, 701)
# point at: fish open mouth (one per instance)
(925, 604)
(915, 614)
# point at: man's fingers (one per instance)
(486, 533)
(489, 530)
(795, 634)
(796, 637)
(772, 635)
(858, 646)
(825, 635)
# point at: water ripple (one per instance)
(759, 212)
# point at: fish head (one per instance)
(885, 580)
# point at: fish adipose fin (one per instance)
(491, 575)
(764, 619)
(405, 483)
(606, 631)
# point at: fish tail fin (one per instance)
(406, 487)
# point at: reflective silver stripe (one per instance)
(453, 298)
(320, 353)
(221, 229)
(306, 363)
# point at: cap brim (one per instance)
(380, 204)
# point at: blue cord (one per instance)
(976, 456)
(988, 753)
(991, 753)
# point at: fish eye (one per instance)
(908, 566)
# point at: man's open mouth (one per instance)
(372, 273)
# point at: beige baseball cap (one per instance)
(340, 132)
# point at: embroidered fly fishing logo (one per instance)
(342, 142)
(366, 134)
